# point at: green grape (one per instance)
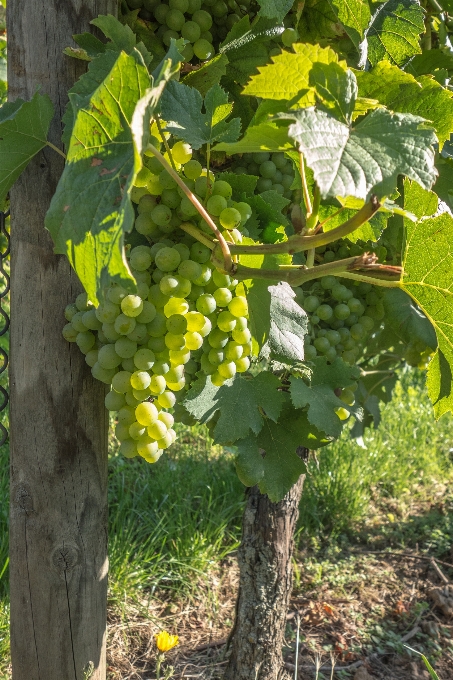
(91, 357)
(216, 356)
(217, 379)
(242, 364)
(206, 366)
(331, 354)
(131, 305)
(147, 314)
(175, 20)
(82, 303)
(157, 385)
(245, 211)
(333, 337)
(222, 188)
(342, 311)
(85, 341)
(226, 321)
(227, 369)
(136, 430)
(349, 357)
(205, 275)
(160, 367)
(216, 204)
(167, 399)
(137, 193)
(356, 306)
(264, 184)
(157, 344)
(218, 338)
(128, 365)
(167, 259)
(157, 430)
(171, 199)
(90, 320)
(328, 282)
(367, 323)
(179, 357)
(203, 50)
(124, 324)
(169, 285)
(77, 322)
(189, 269)
(161, 214)
(177, 323)
(125, 348)
(108, 358)
(289, 36)
(310, 352)
(140, 380)
(109, 332)
(183, 251)
(141, 395)
(139, 334)
(140, 258)
(262, 156)
(187, 208)
(230, 218)
(176, 306)
(116, 294)
(321, 344)
(191, 31)
(146, 414)
(156, 297)
(195, 321)
(144, 359)
(358, 331)
(206, 304)
(187, 52)
(347, 397)
(325, 312)
(268, 169)
(146, 204)
(194, 6)
(279, 160)
(311, 303)
(193, 340)
(242, 337)
(174, 341)
(167, 419)
(221, 280)
(128, 448)
(238, 306)
(279, 188)
(223, 297)
(70, 311)
(192, 169)
(121, 381)
(233, 351)
(105, 375)
(182, 5)
(121, 432)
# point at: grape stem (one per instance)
(55, 148)
(164, 139)
(303, 180)
(227, 264)
(191, 229)
(299, 242)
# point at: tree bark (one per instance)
(58, 515)
(266, 574)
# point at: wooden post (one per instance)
(58, 536)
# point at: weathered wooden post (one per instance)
(58, 536)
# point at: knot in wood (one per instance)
(64, 558)
(24, 499)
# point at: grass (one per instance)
(173, 523)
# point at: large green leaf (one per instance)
(288, 75)
(262, 137)
(275, 9)
(23, 132)
(406, 321)
(367, 158)
(429, 61)
(320, 397)
(260, 395)
(270, 459)
(318, 22)
(394, 31)
(428, 278)
(336, 90)
(245, 46)
(208, 75)
(181, 107)
(400, 91)
(91, 209)
(354, 15)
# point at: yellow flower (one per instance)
(165, 641)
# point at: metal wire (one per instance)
(4, 320)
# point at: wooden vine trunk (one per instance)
(266, 576)
(58, 519)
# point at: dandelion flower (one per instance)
(165, 641)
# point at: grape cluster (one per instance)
(203, 23)
(187, 316)
(275, 171)
(343, 315)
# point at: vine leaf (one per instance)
(91, 45)
(428, 278)
(394, 31)
(406, 321)
(288, 76)
(245, 46)
(320, 397)
(262, 137)
(121, 36)
(354, 15)
(208, 75)
(270, 459)
(181, 107)
(204, 400)
(365, 159)
(23, 133)
(275, 9)
(241, 184)
(400, 91)
(91, 209)
(336, 90)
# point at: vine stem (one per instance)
(189, 228)
(300, 242)
(167, 148)
(303, 179)
(227, 259)
(55, 148)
